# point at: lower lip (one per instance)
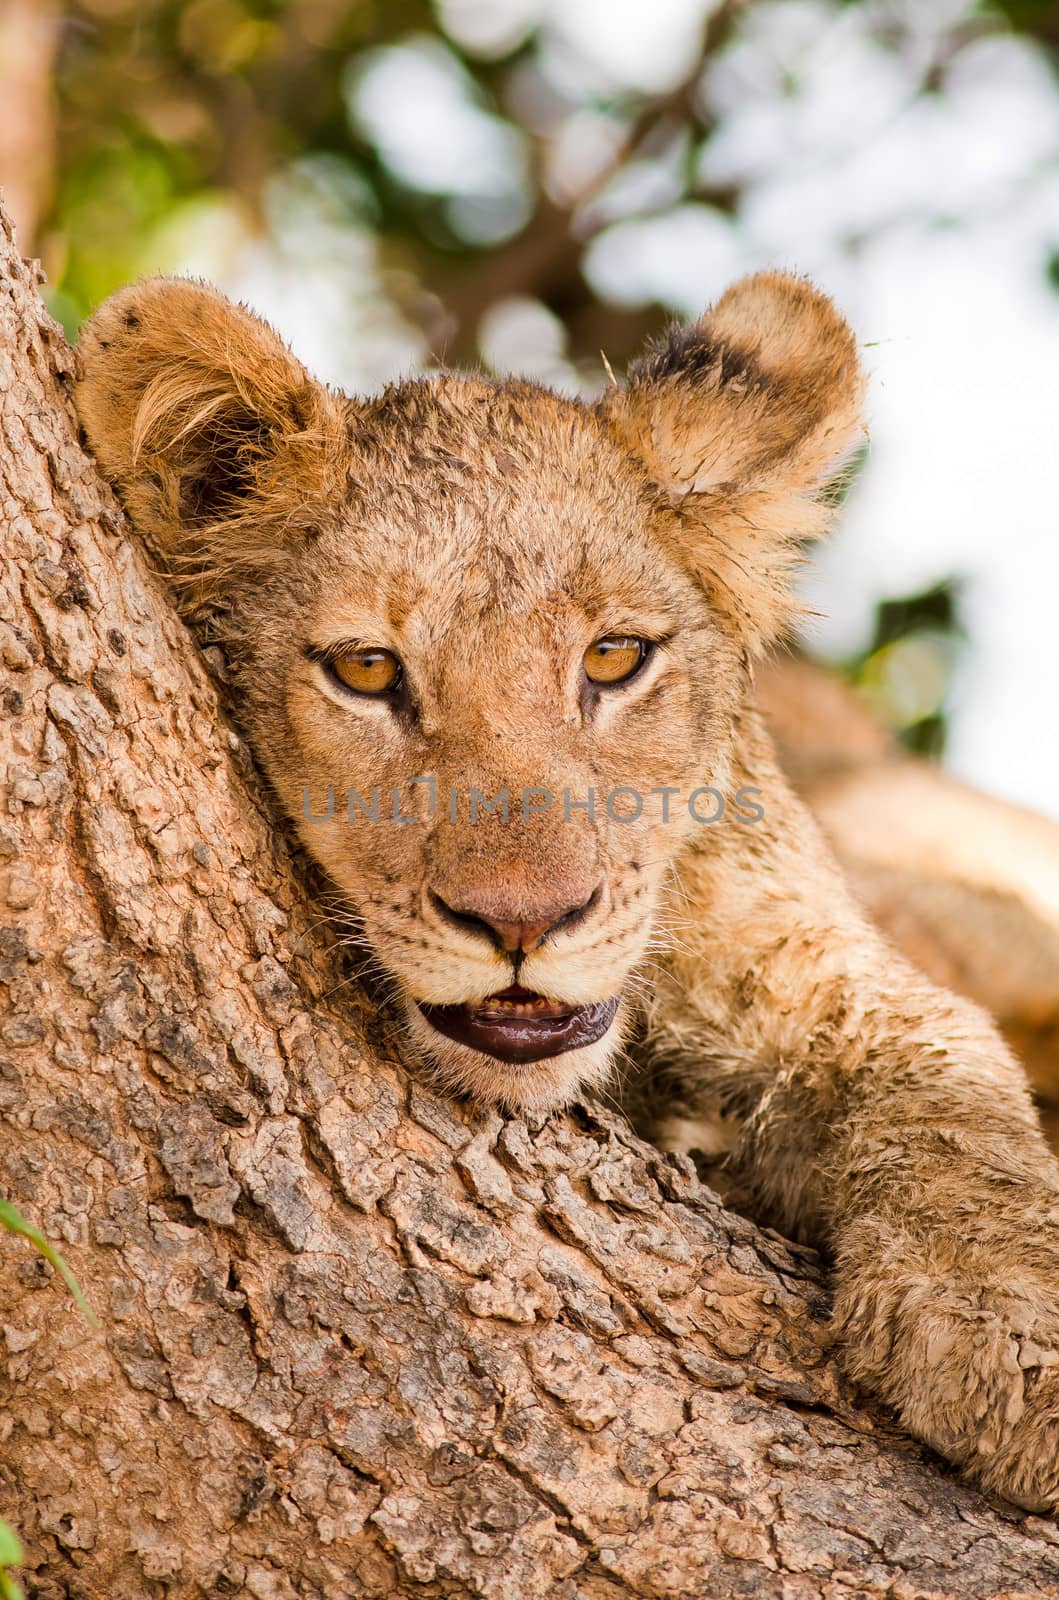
(520, 1038)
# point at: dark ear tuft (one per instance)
(691, 352)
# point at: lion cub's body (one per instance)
(484, 536)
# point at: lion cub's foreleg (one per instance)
(881, 1117)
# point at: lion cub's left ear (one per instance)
(745, 419)
(222, 445)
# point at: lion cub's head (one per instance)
(488, 642)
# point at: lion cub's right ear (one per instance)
(221, 444)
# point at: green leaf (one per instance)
(10, 1546)
(10, 1556)
(12, 1219)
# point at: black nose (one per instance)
(513, 934)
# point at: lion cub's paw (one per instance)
(972, 1371)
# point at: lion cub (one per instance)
(495, 651)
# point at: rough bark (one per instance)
(355, 1340)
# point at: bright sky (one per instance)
(930, 220)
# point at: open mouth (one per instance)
(517, 1025)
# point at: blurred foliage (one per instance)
(907, 670)
(1038, 18)
(175, 114)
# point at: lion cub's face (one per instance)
(488, 642)
(493, 624)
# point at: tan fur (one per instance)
(966, 885)
(487, 534)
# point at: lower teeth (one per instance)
(514, 1007)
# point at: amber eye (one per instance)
(369, 671)
(614, 659)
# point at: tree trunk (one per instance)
(355, 1340)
